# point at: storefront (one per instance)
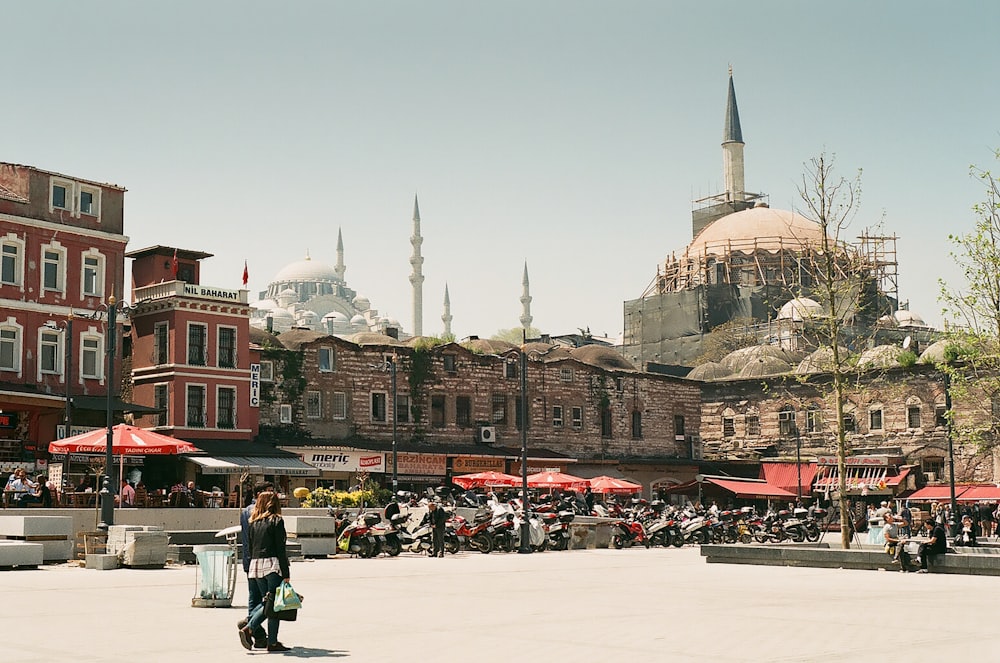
(339, 468)
(868, 476)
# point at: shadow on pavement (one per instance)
(314, 652)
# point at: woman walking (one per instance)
(268, 566)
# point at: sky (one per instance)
(571, 135)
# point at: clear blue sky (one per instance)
(571, 134)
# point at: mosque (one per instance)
(749, 263)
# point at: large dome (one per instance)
(307, 270)
(754, 229)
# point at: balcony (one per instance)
(182, 289)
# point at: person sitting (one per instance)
(936, 545)
(20, 488)
(966, 533)
(43, 492)
(892, 539)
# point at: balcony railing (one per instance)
(183, 289)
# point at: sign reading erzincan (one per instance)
(422, 464)
(334, 460)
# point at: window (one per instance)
(577, 421)
(227, 347)
(728, 427)
(11, 267)
(850, 423)
(814, 420)
(196, 406)
(62, 195)
(620, 384)
(314, 405)
(285, 413)
(437, 411)
(940, 415)
(90, 200)
(565, 374)
(557, 416)
(449, 364)
(225, 408)
(339, 405)
(325, 360)
(48, 352)
(875, 419)
(91, 357)
(92, 283)
(10, 348)
(402, 413)
(160, 340)
(636, 425)
(913, 416)
(197, 335)
(499, 409)
(53, 268)
(463, 411)
(605, 422)
(678, 426)
(160, 402)
(786, 421)
(267, 371)
(510, 368)
(753, 424)
(933, 468)
(378, 406)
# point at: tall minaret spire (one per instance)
(340, 269)
(417, 275)
(732, 147)
(446, 318)
(525, 300)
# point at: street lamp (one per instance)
(390, 365)
(949, 415)
(67, 328)
(106, 494)
(525, 547)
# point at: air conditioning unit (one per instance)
(930, 476)
(487, 434)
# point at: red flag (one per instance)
(246, 274)
(173, 265)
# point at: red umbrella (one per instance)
(556, 480)
(485, 479)
(605, 484)
(125, 441)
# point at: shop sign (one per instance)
(855, 461)
(536, 466)
(254, 385)
(332, 460)
(8, 420)
(74, 430)
(473, 464)
(421, 464)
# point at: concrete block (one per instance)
(102, 562)
(308, 525)
(25, 526)
(19, 553)
(57, 551)
(318, 546)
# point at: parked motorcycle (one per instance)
(625, 533)
(357, 538)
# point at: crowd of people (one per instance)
(977, 522)
(22, 491)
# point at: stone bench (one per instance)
(53, 533)
(315, 535)
(19, 554)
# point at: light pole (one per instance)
(798, 461)
(390, 365)
(951, 445)
(107, 490)
(67, 329)
(525, 547)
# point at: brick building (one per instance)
(61, 253)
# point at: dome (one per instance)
(758, 228)
(372, 338)
(264, 305)
(881, 356)
(764, 365)
(359, 320)
(909, 319)
(335, 315)
(362, 303)
(736, 360)
(820, 360)
(799, 309)
(488, 346)
(602, 357)
(307, 270)
(710, 370)
(934, 354)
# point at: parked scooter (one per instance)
(357, 538)
(625, 533)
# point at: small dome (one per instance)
(372, 338)
(909, 319)
(934, 354)
(488, 346)
(307, 270)
(764, 365)
(335, 315)
(758, 228)
(264, 305)
(737, 359)
(359, 320)
(820, 360)
(799, 309)
(362, 303)
(881, 356)
(710, 370)
(281, 314)
(602, 357)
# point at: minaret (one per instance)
(525, 300)
(417, 276)
(446, 318)
(732, 148)
(340, 269)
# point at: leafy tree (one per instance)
(514, 335)
(723, 339)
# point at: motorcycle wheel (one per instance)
(392, 547)
(364, 548)
(617, 542)
(760, 536)
(731, 536)
(561, 544)
(677, 541)
(451, 546)
(483, 543)
(812, 534)
(699, 538)
(745, 538)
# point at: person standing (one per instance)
(268, 566)
(126, 494)
(254, 595)
(438, 518)
(906, 516)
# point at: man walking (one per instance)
(438, 518)
(253, 590)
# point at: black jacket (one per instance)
(267, 539)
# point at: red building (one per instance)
(191, 349)
(61, 253)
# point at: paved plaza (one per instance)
(588, 605)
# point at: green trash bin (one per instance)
(216, 580)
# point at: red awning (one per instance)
(936, 493)
(986, 493)
(899, 478)
(786, 475)
(750, 488)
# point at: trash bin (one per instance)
(216, 579)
